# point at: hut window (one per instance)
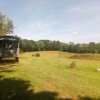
(7, 44)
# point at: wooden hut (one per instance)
(9, 47)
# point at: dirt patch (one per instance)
(7, 66)
(84, 57)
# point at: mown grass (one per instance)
(49, 77)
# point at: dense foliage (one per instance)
(48, 45)
(6, 25)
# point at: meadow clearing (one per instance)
(50, 77)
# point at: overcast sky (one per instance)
(64, 20)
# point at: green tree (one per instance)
(40, 45)
(92, 47)
(6, 25)
(71, 47)
(98, 47)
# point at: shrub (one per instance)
(72, 64)
(37, 55)
(32, 55)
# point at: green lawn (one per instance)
(49, 77)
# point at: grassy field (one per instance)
(49, 77)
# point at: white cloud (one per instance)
(84, 8)
(75, 33)
(89, 38)
(42, 26)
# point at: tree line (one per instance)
(7, 27)
(48, 45)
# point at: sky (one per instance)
(64, 20)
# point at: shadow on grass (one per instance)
(1, 76)
(15, 89)
(7, 70)
(87, 98)
(18, 89)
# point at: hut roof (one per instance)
(7, 37)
